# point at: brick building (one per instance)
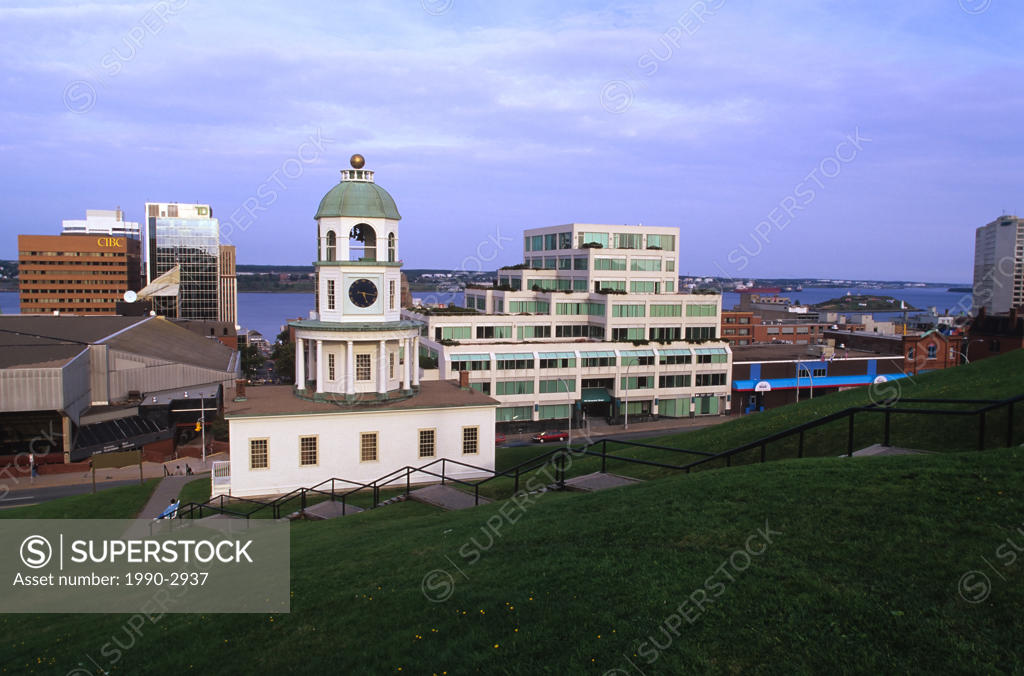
(81, 274)
(744, 327)
(992, 334)
(928, 351)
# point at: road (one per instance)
(32, 496)
(623, 435)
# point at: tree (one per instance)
(251, 360)
(284, 357)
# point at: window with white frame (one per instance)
(363, 367)
(330, 366)
(330, 294)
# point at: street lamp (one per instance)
(202, 424)
(967, 348)
(810, 376)
(626, 424)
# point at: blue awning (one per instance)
(471, 357)
(820, 381)
(673, 352)
(514, 355)
(595, 355)
(637, 353)
(556, 355)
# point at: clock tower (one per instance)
(355, 346)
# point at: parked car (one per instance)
(499, 439)
(550, 436)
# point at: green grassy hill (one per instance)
(864, 565)
(996, 378)
(859, 571)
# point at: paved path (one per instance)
(169, 487)
(599, 429)
(598, 481)
(445, 497)
(150, 470)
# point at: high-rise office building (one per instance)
(186, 236)
(228, 285)
(83, 274)
(999, 265)
(102, 222)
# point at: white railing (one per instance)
(220, 478)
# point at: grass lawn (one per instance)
(858, 572)
(995, 378)
(123, 502)
(197, 490)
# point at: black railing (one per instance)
(985, 406)
(988, 406)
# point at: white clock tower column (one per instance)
(357, 329)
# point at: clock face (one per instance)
(362, 293)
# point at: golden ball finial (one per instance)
(357, 161)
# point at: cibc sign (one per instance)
(111, 242)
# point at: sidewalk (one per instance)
(150, 470)
(169, 488)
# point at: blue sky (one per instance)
(827, 139)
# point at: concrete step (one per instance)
(445, 497)
(598, 481)
(328, 509)
(879, 449)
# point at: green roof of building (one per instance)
(358, 199)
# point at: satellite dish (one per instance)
(130, 296)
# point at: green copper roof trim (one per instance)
(354, 326)
(356, 264)
(358, 199)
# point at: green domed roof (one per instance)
(358, 199)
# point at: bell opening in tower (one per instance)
(362, 243)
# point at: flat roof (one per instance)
(764, 353)
(265, 400)
(885, 336)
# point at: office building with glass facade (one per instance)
(590, 324)
(186, 236)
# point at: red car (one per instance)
(550, 436)
(499, 439)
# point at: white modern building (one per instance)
(999, 265)
(359, 410)
(102, 222)
(590, 324)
